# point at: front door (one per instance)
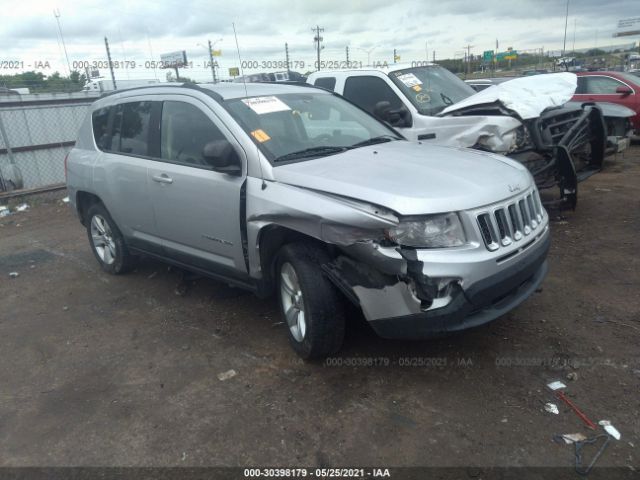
(197, 210)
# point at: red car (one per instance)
(613, 87)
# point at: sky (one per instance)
(139, 31)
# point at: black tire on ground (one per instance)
(323, 303)
(123, 261)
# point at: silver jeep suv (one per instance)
(294, 190)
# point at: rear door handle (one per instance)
(162, 178)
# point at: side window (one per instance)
(184, 132)
(100, 123)
(582, 86)
(602, 85)
(367, 91)
(328, 83)
(134, 136)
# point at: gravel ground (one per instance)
(103, 371)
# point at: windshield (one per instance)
(431, 88)
(295, 126)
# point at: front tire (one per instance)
(107, 243)
(310, 304)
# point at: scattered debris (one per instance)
(578, 451)
(573, 376)
(551, 408)
(65, 308)
(14, 274)
(23, 207)
(65, 200)
(599, 189)
(4, 211)
(227, 375)
(152, 275)
(277, 323)
(610, 429)
(557, 387)
(570, 438)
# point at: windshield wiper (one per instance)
(374, 140)
(311, 152)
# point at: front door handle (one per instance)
(162, 178)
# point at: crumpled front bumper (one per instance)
(483, 302)
(486, 291)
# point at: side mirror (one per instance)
(624, 90)
(222, 157)
(396, 118)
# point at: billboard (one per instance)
(628, 26)
(174, 59)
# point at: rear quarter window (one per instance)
(100, 123)
(328, 83)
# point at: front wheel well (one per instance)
(272, 239)
(84, 201)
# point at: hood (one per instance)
(411, 179)
(527, 96)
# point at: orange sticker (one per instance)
(417, 88)
(260, 135)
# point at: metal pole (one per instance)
(213, 69)
(56, 13)
(566, 19)
(286, 56)
(113, 77)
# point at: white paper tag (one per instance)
(262, 105)
(556, 385)
(409, 79)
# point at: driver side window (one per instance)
(185, 130)
(367, 91)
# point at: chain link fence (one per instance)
(36, 132)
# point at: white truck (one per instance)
(524, 119)
(103, 85)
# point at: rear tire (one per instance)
(311, 305)
(107, 242)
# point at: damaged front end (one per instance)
(562, 146)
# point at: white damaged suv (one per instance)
(293, 190)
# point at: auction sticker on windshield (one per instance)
(260, 135)
(409, 79)
(262, 105)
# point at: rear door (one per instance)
(122, 133)
(197, 210)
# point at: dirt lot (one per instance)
(101, 370)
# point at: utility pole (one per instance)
(347, 53)
(468, 57)
(286, 56)
(56, 13)
(213, 67)
(113, 77)
(434, 56)
(318, 39)
(566, 19)
(395, 55)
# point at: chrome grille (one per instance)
(512, 221)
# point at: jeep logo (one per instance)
(514, 188)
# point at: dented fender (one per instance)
(330, 218)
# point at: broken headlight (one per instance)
(434, 231)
